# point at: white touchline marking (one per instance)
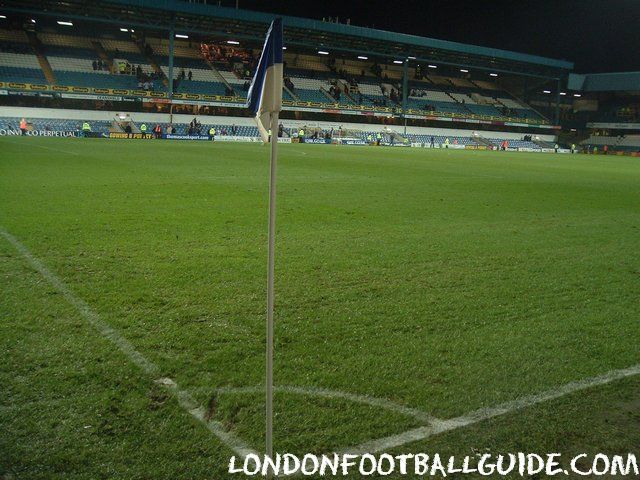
(185, 400)
(477, 416)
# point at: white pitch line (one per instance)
(185, 400)
(336, 394)
(480, 415)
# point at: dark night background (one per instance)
(598, 35)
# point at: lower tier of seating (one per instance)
(53, 124)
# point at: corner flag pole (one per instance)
(273, 168)
(270, 280)
(264, 101)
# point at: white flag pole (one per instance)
(270, 282)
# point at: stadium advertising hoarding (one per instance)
(134, 136)
(111, 98)
(8, 132)
(352, 141)
(226, 138)
(171, 136)
(220, 138)
(614, 126)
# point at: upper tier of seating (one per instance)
(73, 62)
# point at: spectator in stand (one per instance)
(95, 65)
(190, 75)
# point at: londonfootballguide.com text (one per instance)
(522, 464)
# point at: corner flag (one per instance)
(265, 93)
(265, 101)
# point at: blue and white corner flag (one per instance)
(265, 93)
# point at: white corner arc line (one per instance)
(337, 394)
(185, 400)
(480, 415)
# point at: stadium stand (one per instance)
(94, 65)
(72, 60)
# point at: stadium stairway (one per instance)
(102, 53)
(397, 138)
(483, 141)
(150, 58)
(36, 45)
(463, 106)
(218, 75)
(293, 95)
(524, 106)
(542, 143)
(349, 96)
(328, 95)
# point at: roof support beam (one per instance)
(172, 34)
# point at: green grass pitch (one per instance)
(443, 281)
